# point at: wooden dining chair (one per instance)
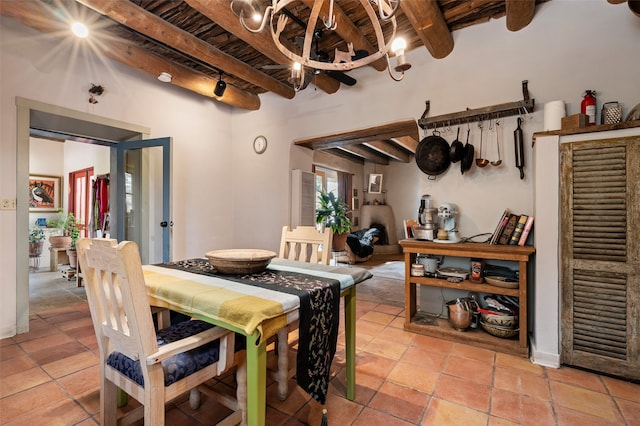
(305, 244)
(152, 367)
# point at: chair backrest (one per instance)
(117, 297)
(306, 244)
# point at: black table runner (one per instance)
(318, 318)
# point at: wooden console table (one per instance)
(415, 320)
(58, 256)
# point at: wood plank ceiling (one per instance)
(195, 40)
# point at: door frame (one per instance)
(24, 109)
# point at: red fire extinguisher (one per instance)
(588, 106)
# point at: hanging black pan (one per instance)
(433, 155)
(467, 158)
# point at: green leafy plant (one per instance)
(36, 235)
(333, 212)
(70, 229)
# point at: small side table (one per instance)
(58, 256)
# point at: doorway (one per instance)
(53, 120)
(80, 198)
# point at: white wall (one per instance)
(557, 53)
(227, 196)
(47, 71)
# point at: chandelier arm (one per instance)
(381, 7)
(383, 47)
(391, 73)
(305, 60)
(311, 27)
(265, 18)
(331, 24)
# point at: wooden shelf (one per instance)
(466, 285)
(475, 337)
(417, 322)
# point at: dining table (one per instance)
(258, 305)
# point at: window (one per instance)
(333, 181)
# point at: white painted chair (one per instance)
(152, 368)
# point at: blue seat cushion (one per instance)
(178, 366)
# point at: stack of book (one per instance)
(512, 229)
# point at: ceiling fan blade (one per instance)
(342, 77)
(359, 54)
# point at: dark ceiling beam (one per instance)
(348, 31)
(365, 154)
(519, 13)
(41, 17)
(427, 20)
(346, 155)
(220, 12)
(406, 142)
(389, 150)
(156, 28)
(385, 131)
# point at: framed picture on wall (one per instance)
(45, 193)
(375, 184)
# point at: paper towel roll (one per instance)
(553, 113)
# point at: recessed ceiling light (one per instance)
(80, 29)
(165, 77)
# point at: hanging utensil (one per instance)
(457, 149)
(498, 140)
(481, 162)
(467, 157)
(433, 155)
(519, 148)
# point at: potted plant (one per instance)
(36, 241)
(71, 230)
(334, 214)
(63, 240)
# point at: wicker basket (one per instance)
(494, 330)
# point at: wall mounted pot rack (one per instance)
(508, 109)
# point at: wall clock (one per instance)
(260, 144)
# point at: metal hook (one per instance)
(382, 4)
(331, 23)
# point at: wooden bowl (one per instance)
(494, 330)
(502, 282)
(240, 261)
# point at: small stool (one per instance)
(58, 256)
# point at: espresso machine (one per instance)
(448, 223)
(427, 216)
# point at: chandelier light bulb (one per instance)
(398, 46)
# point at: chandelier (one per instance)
(276, 17)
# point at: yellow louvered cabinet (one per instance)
(600, 255)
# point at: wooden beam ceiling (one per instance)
(428, 22)
(195, 39)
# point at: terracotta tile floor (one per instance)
(49, 376)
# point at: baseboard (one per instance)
(545, 359)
